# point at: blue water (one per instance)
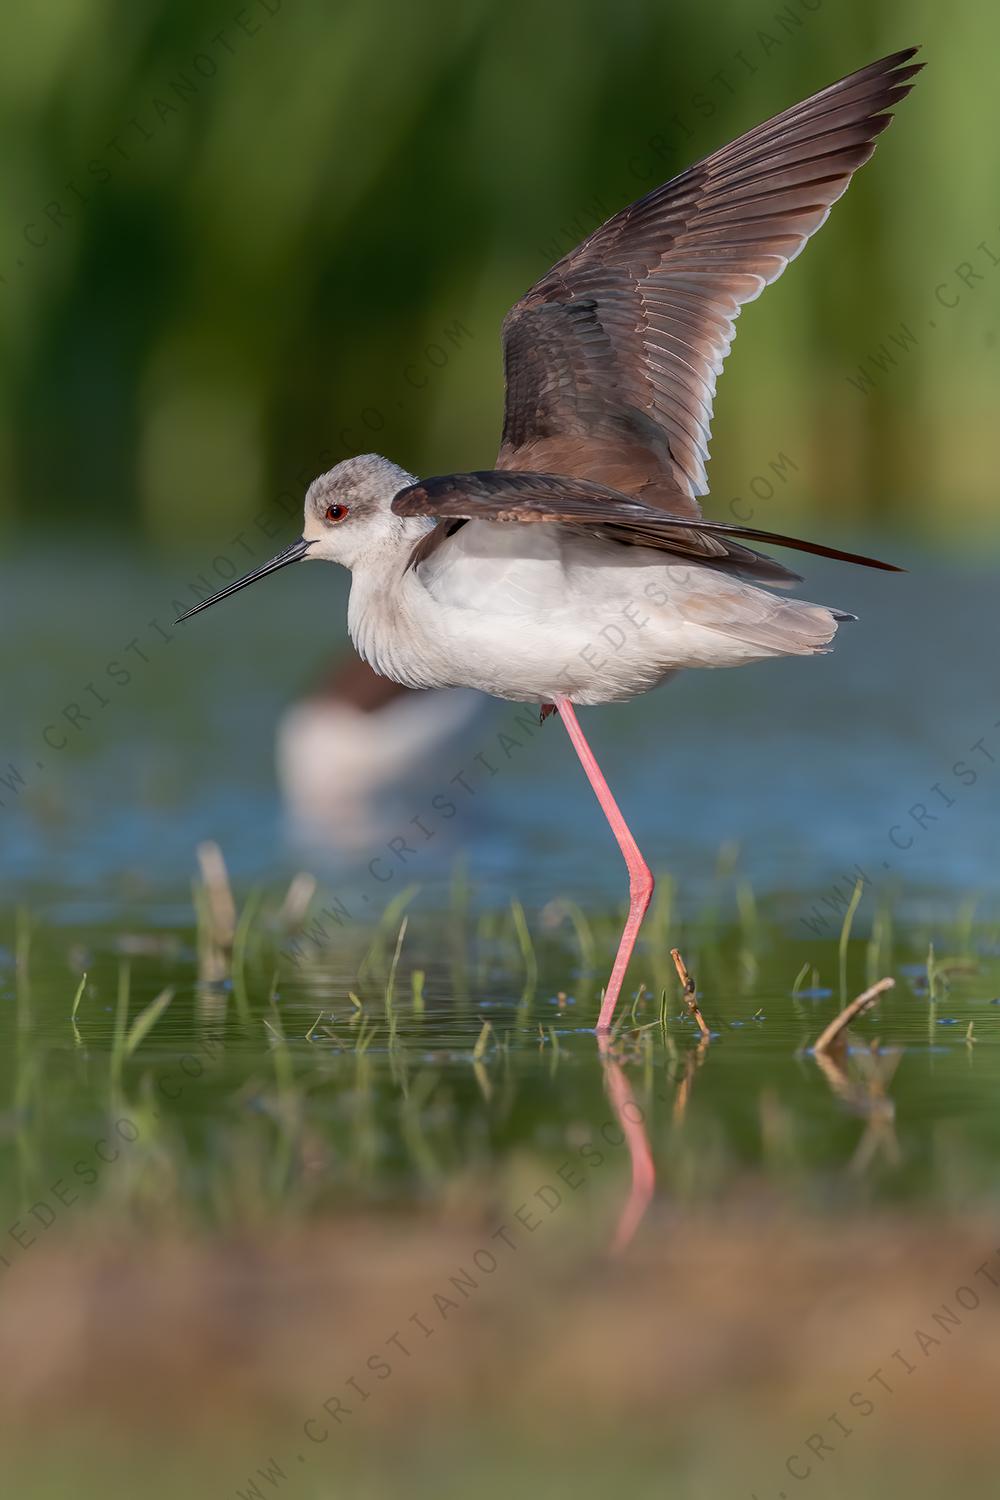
(883, 756)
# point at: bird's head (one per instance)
(348, 518)
(348, 513)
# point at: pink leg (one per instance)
(640, 878)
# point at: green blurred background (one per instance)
(237, 246)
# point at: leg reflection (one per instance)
(631, 1119)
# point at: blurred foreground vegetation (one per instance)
(314, 1210)
(236, 246)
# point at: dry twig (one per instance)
(218, 895)
(834, 1032)
(690, 994)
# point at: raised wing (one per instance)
(504, 496)
(611, 359)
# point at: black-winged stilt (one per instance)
(580, 569)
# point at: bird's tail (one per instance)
(732, 621)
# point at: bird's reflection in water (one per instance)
(631, 1118)
(632, 1123)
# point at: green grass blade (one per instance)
(146, 1020)
(78, 996)
(845, 936)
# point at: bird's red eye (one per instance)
(336, 512)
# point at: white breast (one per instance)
(531, 611)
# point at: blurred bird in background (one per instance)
(355, 755)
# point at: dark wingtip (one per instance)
(904, 71)
(899, 59)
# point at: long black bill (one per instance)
(295, 553)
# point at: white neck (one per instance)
(379, 614)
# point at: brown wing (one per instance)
(611, 359)
(498, 495)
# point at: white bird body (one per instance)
(532, 613)
(580, 569)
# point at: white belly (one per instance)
(533, 612)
